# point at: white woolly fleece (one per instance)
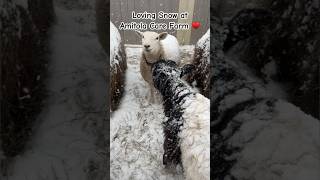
(171, 48)
(115, 44)
(195, 138)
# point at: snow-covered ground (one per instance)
(136, 133)
(64, 142)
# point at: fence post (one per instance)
(184, 36)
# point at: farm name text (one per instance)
(172, 25)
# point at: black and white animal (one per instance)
(156, 46)
(187, 129)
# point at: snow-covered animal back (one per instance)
(118, 66)
(201, 61)
(187, 129)
(136, 137)
(170, 46)
(195, 138)
(115, 41)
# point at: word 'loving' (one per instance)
(159, 15)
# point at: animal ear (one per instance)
(139, 33)
(163, 35)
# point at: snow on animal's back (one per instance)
(171, 48)
(204, 44)
(195, 138)
(115, 41)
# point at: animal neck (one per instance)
(146, 60)
(150, 58)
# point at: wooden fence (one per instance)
(199, 10)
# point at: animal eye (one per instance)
(157, 38)
(142, 36)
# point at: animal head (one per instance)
(163, 70)
(151, 41)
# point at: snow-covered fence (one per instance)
(186, 131)
(22, 72)
(253, 134)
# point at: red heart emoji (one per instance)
(196, 24)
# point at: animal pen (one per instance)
(136, 125)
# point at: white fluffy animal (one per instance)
(195, 138)
(155, 47)
(187, 129)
